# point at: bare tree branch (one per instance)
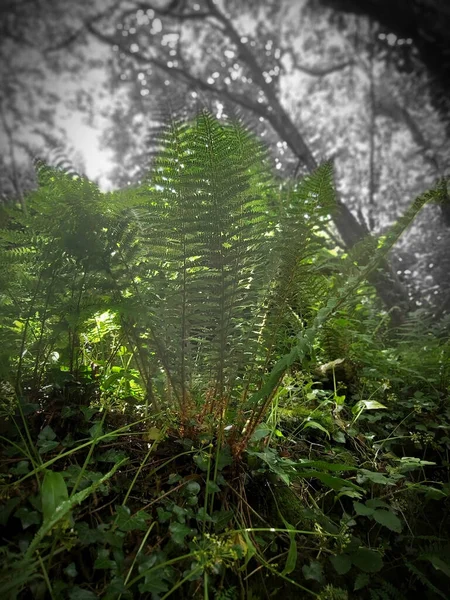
(174, 9)
(318, 71)
(182, 75)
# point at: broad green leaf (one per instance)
(153, 434)
(155, 584)
(112, 456)
(192, 487)
(388, 519)
(163, 515)
(179, 531)
(376, 503)
(117, 589)
(316, 425)
(53, 493)
(127, 522)
(65, 507)
(313, 571)
(78, 593)
(249, 548)
(260, 432)
(27, 517)
(47, 433)
(362, 509)
(202, 515)
(411, 463)
(342, 563)
(367, 405)
(71, 570)
(96, 430)
(202, 461)
(103, 561)
(212, 487)
(326, 466)
(339, 437)
(46, 446)
(221, 518)
(22, 468)
(374, 477)
(367, 560)
(291, 560)
(335, 483)
(88, 412)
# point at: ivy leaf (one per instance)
(88, 412)
(163, 515)
(103, 561)
(202, 515)
(112, 456)
(67, 412)
(342, 563)
(367, 560)
(47, 433)
(96, 430)
(221, 518)
(388, 519)
(117, 589)
(155, 584)
(71, 570)
(22, 468)
(212, 487)
(313, 571)
(27, 517)
(179, 531)
(127, 522)
(46, 446)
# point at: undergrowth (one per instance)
(202, 397)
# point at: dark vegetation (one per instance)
(204, 397)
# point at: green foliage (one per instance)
(198, 390)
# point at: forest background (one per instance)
(228, 377)
(317, 80)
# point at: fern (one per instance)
(215, 269)
(420, 576)
(228, 253)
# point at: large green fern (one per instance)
(212, 266)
